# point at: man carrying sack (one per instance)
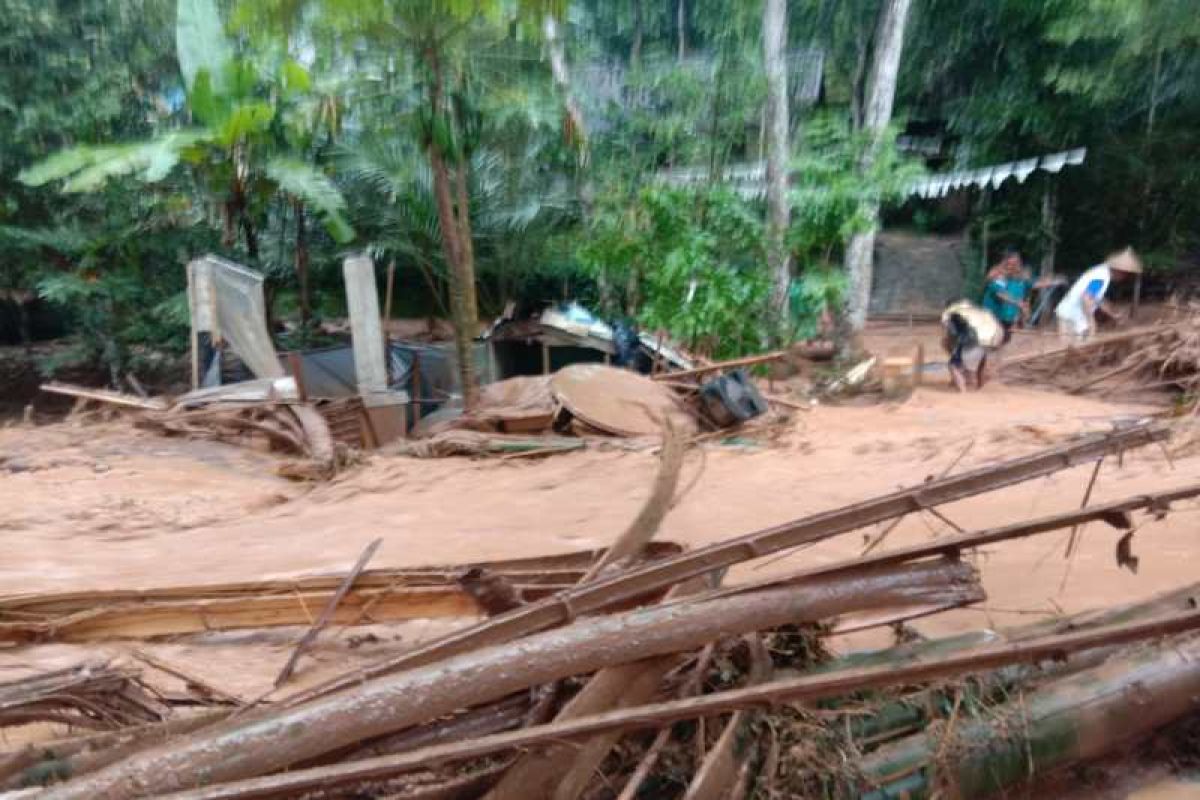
(1077, 311)
(970, 335)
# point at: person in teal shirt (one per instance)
(1007, 291)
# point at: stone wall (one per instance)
(915, 273)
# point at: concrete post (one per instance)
(362, 301)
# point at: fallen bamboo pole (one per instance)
(105, 396)
(1115, 514)
(47, 762)
(748, 361)
(543, 775)
(276, 738)
(806, 688)
(1096, 345)
(656, 577)
(1075, 718)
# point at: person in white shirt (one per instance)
(1077, 311)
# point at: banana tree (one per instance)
(249, 142)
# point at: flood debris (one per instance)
(1150, 364)
(638, 672)
(105, 396)
(96, 695)
(376, 596)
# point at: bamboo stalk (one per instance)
(1075, 718)
(260, 743)
(720, 365)
(806, 688)
(655, 577)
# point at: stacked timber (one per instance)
(640, 673)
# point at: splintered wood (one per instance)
(383, 595)
(634, 674)
(96, 695)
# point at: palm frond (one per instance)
(308, 184)
(86, 168)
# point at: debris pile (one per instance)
(545, 414)
(640, 672)
(1143, 365)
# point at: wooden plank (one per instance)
(105, 396)
(552, 570)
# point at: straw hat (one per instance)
(1125, 261)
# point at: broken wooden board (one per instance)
(105, 396)
(382, 595)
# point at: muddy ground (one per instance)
(106, 506)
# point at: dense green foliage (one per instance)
(286, 133)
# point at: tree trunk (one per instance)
(456, 233)
(715, 121)
(575, 125)
(877, 114)
(858, 79)
(1147, 144)
(639, 28)
(681, 26)
(270, 740)
(302, 270)
(774, 43)
(461, 278)
(1049, 226)
(466, 243)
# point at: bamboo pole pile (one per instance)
(648, 677)
(1145, 364)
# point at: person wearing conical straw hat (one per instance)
(1077, 311)
(969, 335)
